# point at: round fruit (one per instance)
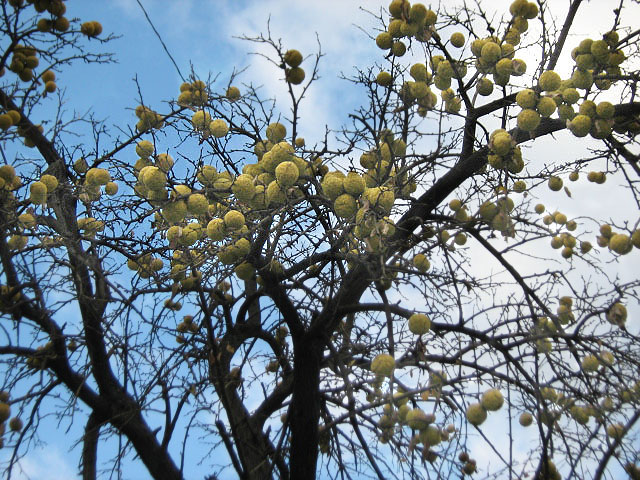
(549, 81)
(526, 419)
(234, 220)
(476, 415)
(383, 365)
(293, 58)
(554, 183)
(345, 206)
(457, 39)
(295, 75)
(492, 400)
(419, 324)
(287, 173)
(528, 120)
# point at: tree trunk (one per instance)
(304, 412)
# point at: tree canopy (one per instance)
(442, 285)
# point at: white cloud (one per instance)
(48, 462)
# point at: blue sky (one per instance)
(201, 33)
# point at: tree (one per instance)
(331, 309)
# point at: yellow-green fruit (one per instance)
(476, 46)
(539, 209)
(333, 185)
(580, 126)
(519, 186)
(607, 358)
(527, 98)
(50, 87)
(295, 75)
(585, 247)
(617, 314)
(384, 41)
(216, 229)
(223, 182)
(384, 79)
(526, 419)
(201, 120)
(419, 72)
(432, 436)
(98, 176)
(17, 242)
(5, 121)
(243, 187)
(275, 194)
(144, 148)
(457, 39)
(345, 206)
(50, 181)
(419, 324)
(582, 79)
(528, 120)
(27, 220)
(418, 419)
(484, 86)
(421, 262)
(5, 412)
(616, 431)
(242, 247)
(454, 105)
(293, 58)
(518, 67)
(245, 271)
(430, 18)
(111, 188)
(455, 204)
(38, 191)
(605, 110)
(153, 178)
(501, 143)
(15, 424)
(590, 363)
(490, 52)
(492, 400)
(549, 81)
(418, 90)
(441, 83)
(276, 132)
(417, 13)
(287, 173)
(588, 108)
(620, 243)
(174, 233)
(197, 204)
(383, 365)
(234, 220)
(504, 68)
(175, 212)
(476, 415)
(555, 184)
(566, 112)
(546, 106)
(15, 116)
(164, 162)
(218, 128)
(280, 152)
(233, 93)
(7, 173)
(570, 95)
(354, 184)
